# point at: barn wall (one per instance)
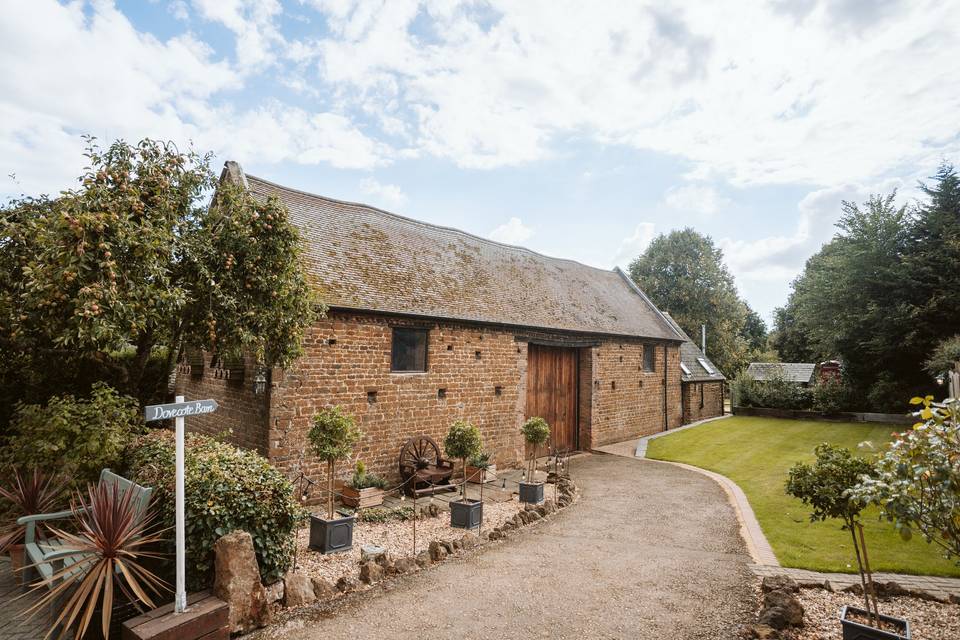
(712, 401)
(628, 401)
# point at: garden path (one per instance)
(648, 551)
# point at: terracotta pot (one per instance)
(361, 498)
(478, 476)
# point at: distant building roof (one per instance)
(362, 258)
(801, 372)
(694, 365)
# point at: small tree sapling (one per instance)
(333, 435)
(535, 431)
(828, 487)
(463, 441)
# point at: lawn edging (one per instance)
(757, 545)
(819, 416)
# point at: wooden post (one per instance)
(180, 601)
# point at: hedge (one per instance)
(227, 489)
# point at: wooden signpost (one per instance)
(178, 411)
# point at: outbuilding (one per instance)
(427, 325)
(701, 381)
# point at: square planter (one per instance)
(854, 630)
(479, 476)
(531, 492)
(466, 514)
(361, 498)
(331, 536)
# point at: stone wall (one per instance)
(712, 400)
(474, 372)
(241, 417)
(628, 402)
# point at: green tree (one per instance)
(829, 487)
(332, 437)
(788, 338)
(683, 273)
(111, 280)
(754, 332)
(463, 441)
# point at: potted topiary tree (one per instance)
(829, 486)
(332, 436)
(535, 433)
(463, 441)
(364, 489)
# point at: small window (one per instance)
(685, 369)
(701, 395)
(649, 363)
(706, 365)
(409, 349)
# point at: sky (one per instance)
(577, 129)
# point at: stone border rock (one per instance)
(299, 591)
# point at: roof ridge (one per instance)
(429, 224)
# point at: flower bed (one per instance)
(396, 537)
(929, 620)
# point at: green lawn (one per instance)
(756, 454)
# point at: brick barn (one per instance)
(427, 325)
(701, 382)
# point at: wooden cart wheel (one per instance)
(419, 452)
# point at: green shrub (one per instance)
(832, 396)
(362, 479)
(385, 514)
(776, 393)
(227, 489)
(76, 437)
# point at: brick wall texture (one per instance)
(474, 372)
(712, 400)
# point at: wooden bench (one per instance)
(206, 618)
(423, 471)
(47, 556)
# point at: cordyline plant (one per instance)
(463, 441)
(917, 484)
(28, 494)
(535, 431)
(828, 487)
(112, 538)
(332, 436)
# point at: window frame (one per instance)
(706, 366)
(425, 332)
(651, 366)
(685, 369)
(701, 395)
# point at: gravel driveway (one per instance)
(648, 551)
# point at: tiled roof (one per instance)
(789, 371)
(690, 357)
(363, 258)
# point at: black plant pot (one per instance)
(853, 630)
(466, 514)
(331, 536)
(531, 492)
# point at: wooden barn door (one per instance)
(552, 392)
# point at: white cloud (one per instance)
(634, 244)
(770, 263)
(512, 231)
(695, 198)
(252, 23)
(71, 69)
(794, 100)
(388, 196)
